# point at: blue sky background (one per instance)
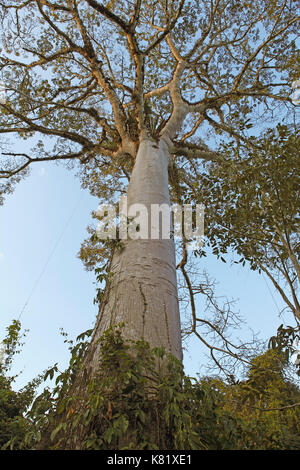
(42, 226)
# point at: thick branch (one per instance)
(192, 151)
(45, 130)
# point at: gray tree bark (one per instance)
(142, 292)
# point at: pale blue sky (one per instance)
(42, 225)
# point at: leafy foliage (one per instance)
(252, 207)
(98, 76)
(266, 405)
(141, 399)
(138, 399)
(14, 405)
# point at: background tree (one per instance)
(252, 217)
(254, 210)
(262, 410)
(130, 91)
(161, 407)
(14, 405)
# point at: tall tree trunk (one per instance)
(142, 292)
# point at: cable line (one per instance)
(51, 254)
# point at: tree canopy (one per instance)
(97, 76)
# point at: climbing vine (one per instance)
(139, 398)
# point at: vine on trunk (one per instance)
(139, 398)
